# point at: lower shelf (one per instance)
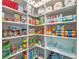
(64, 53)
(15, 53)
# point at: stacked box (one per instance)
(10, 4)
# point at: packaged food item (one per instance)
(74, 17)
(5, 33)
(5, 48)
(24, 31)
(60, 18)
(24, 19)
(14, 48)
(14, 57)
(19, 46)
(69, 33)
(24, 55)
(68, 18)
(8, 18)
(17, 18)
(24, 43)
(15, 32)
(3, 16)
(60, 27)
(41, 20)
(10, 31)
(10, 4)
(74, 34)
(62, 33)
(20, 8)
(66, 34)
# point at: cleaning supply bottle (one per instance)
(24, 55)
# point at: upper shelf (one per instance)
(14, 37)
(62, 10)
(67, 22)
(10, 10)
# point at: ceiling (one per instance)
(38, 3)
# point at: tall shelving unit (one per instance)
(45, 24)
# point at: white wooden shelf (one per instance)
(60, 37)
(15, 53)
(36, 34)
(12, 22)
(12, 37)
(54, 23)
(62, 10)
(36, 25)
(40, 46)
(10, 10)
(61, 23)
(64, 53)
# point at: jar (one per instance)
(5, 33)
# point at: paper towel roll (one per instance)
(58, 5)
(69, 2)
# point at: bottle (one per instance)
(5, 32)
(9, 31)
(19, 46)
(24, 55)
(15, 32)
(24, 43)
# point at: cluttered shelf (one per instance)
(15, 53)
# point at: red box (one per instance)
(10, 4)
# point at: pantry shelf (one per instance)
(12, 22)
(61, 23)
(10, 10)
(36, 25)
(65, 53)
(60, 37)
(36, 34)
(40, 46)
(15, 53)
(64, 9)
(14, 37)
